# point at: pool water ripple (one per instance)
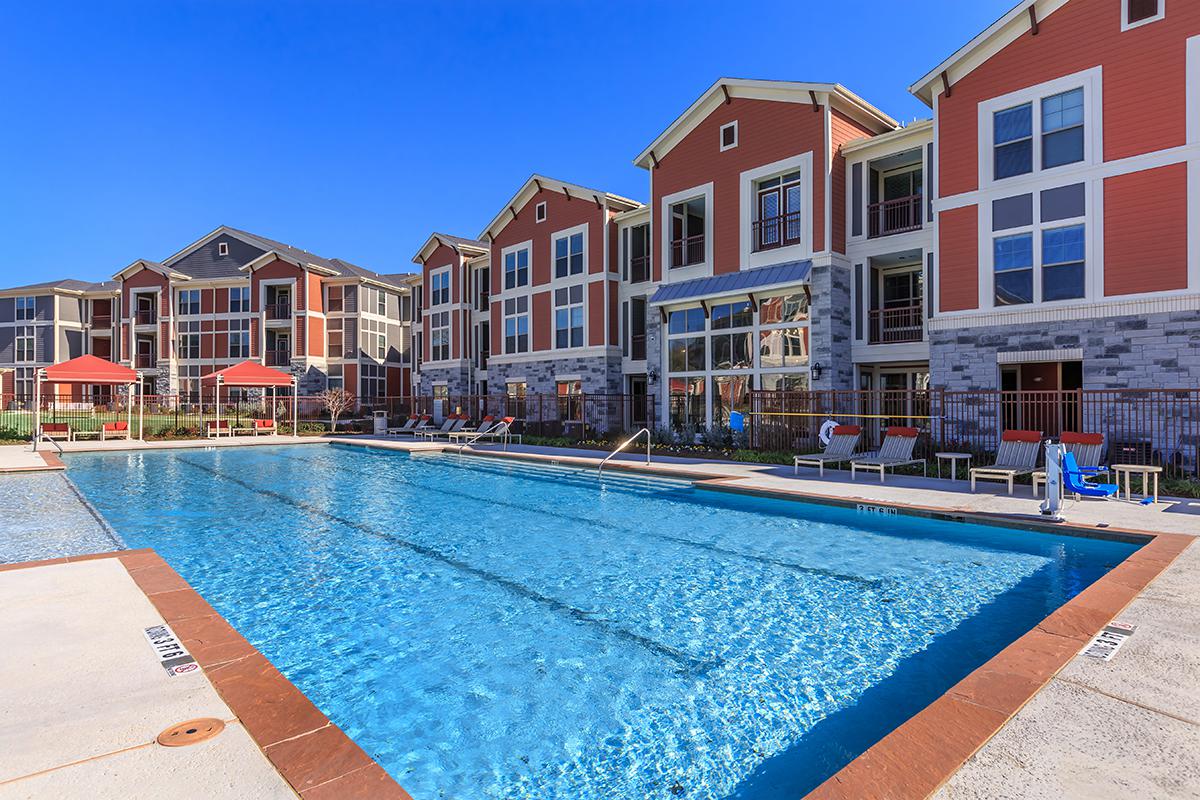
(496, 630)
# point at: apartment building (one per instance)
(229, 296)
(1067, 214)
(44, 323)
(1038, 232)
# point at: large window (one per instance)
(1012, 257)
(1063, 251)
(570, 400)
(514, 404)
(516, 268)
(372, 383)
(439, 336)
(439, 292)
(189, 301)
(239, 300)
(778, 210)
(516, 325)
(26, 309)
(25, 344)
(239, 338)
(335, 299)
(188, 342)
(687, 232)
(1039, 249)
(568, 255)
(1058, 123)
(568, 317)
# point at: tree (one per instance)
(336, 402)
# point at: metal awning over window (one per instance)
(759, 279)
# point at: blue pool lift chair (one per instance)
(1075, 479)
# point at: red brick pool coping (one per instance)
(317, 759)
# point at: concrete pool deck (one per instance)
(87, 697)
(1038, 720)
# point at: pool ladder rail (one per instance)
(45, 437)
(622, 446)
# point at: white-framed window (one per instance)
(381, 298)
(1045, 127)
(516, 325)
(568, 255)
(372, 382)
(688, 232)
(25, 344)
(1135, 13)
(439, 287)
(1039, 248)
(335, 377)
(222, 248)
(188, 340)
(335, 299)
(189, 301)
(334, 341)
(239, 299)
(439, 336)
(539, 212)
(729, 136)
(635, 241)
(26, 309)
(568, 317)
(23, 382)
(239, 338)
(516, 267)
(381, 346)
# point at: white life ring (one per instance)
(827, 431)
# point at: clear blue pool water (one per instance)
(491, 629)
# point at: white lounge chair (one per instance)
(409, 424)
(1016, 455)
(422, 425)
(454, 423)
(896, 451)
(842, 443)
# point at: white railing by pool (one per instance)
(623, 445)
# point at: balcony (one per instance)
(773, 232)
(637, 347)
(145, 316)
(896, 325)
(639, 268)
(277, 358)
(144, 361)
(101, 321)
(900, 215)
(278, 311)
(687, 251)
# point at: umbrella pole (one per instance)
(141, 412)
(218, 431)
(295, 407)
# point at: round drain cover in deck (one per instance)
(193, 731)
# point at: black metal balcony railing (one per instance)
(895, 216)
(101, 321)
(637, 347)
(639, 268)
(143, 361)
(277, 358)
(781, 231)
(145, 316)
(896, 325)
(279, 310)
(687, 251)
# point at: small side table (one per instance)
(1146, 472)
(954, 458)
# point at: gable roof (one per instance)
(994, 38)
(464, 246)
(538, 183)
(781, 91)
(65, 285)
(153, 266)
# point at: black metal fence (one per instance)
(1140, 426)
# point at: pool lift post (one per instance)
(1051, 507)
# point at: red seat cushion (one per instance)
(56, 427)
(116, 426)
(1081, 438)
(847, 430)
(1021, 436)
(907, 433)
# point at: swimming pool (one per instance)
(491, 629)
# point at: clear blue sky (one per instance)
(354, 129)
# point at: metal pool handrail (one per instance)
(623, 445)
(45, 437)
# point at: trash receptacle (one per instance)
(381, 422)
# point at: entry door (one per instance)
(637, 402)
